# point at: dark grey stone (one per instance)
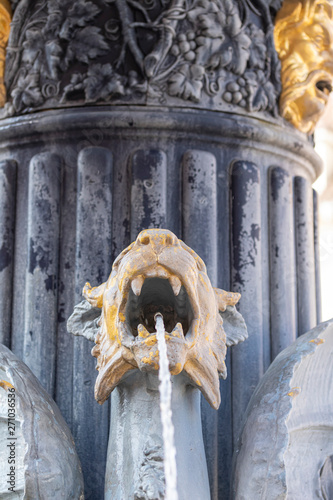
(101, 228)
(200, 227)
(41, 285)
(172, 54)
(93, 261)
(149, 190)
(7, 231)
(305, 257)
(247, 280)
(317, 253)
(282, 261)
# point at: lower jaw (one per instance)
(146, 354)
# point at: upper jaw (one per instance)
(157, 289)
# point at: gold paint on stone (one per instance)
(6, 385)
(317, 341)
(196, 340)
(5, 20)
(295, 391)
(304, 41)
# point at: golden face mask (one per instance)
(159, 273)
(304, 41)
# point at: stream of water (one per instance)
(170, 469)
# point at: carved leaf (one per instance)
(187, 82)
(239, 46)
(265, 99)
(223, 43)
(258, 48)
(57, 6)
(74, 89)
(27, 92)
(32, 46)
(41, 52)
(86, 44)
(262, 93)
(81, 13)
(102, 83)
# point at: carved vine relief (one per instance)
(206, 53)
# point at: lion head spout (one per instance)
(159, 273)
(304, 41)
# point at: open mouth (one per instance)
(148, 296)
(324, 86)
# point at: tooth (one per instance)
(162, 273)
(176, 284)
(142, 331)
(178, 331)
(137, 285)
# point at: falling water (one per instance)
(164, 376)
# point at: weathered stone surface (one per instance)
(41, 285)
(84, 139)
(282, 261)
(213, 55)
(135, 453)
(287, 441)
(147, 119)
(8, 170)
(157, 273)
(46, 463)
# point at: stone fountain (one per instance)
(157, 273)
(195, 116)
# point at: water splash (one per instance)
(164, 376)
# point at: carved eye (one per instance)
(319, 40)
(145, 240)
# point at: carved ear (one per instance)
(225, 299)
(233, 322)
(84, 320)
(94, 295)
(234, 326)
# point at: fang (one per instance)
(137, 285)
(176, 284)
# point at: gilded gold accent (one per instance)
(317, 341)
(6, 385)
(5, 20)
(304, 41)
(295, 391)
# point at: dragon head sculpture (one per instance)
(159, 273)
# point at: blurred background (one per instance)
(324, 187)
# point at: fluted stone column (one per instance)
(128, 115)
